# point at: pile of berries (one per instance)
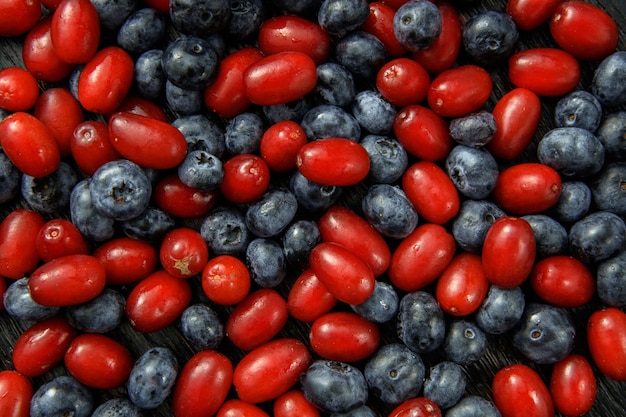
(305, 208)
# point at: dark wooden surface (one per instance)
(611, 398)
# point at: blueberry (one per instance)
(389, 211)
(91, 223)
(120, 189)
(361, 53)
(445, 384)
(501, 309)
(474, 171)
(362, 411)
(373, 112)
(472, 222)
(550, 235)
(597, 236)
(388, 158)
(334, 387)
(572, 151)
(394, 373)
(152, 377)
(113, 13)
(10, 178)
(416, 24)
(72, 80)
(573, 203)
(578, 109)
(304, 8)
(473, 406)
(62, 396)
(608, 190)
(545, 334)
(335, 85)
(190, 62)
(225, 231)
(19, 304)
(328, 120)
(611, 280)
(183, 101)
(201, 170)
(298, 240)
(218, 43)
(117, 407)
(245, 19)
(292, 110)
(266, 262)
(243, 133)
(199, 17)
(311, 196)
(272, 212)
(611, 133)
(149, 76)
(609, 80)
(100, 314)
(489, 36)
(475, 129)
(201, 326)
(151, 225)
(142, 31)
(51, 193)
(381, 306)
(465, 342)
(420, 322)
(201, 133)
(338, 17)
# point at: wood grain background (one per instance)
(611, 398)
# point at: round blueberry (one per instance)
(201, 133)
(112, 14)
(272, 212)
(117, 407)
(101, 314)
(19, 304)
(201, 326)
(182, 100)
(152, 378)
(611, 280)
(381, 306)
(550, 235)
(472, 222)
(473, 406)
(388, 158)
(465, 342)
(389, 211)
(51, 193)
(416, 24)
(373, 112)
(489, 36)
(338, 17)
(199, 17)
(190, 62)
(245, 20)
(292, 110)
(474, 171)
(475, 129)
(609, 80)
(335, 85)
(120, 190)
(501, 309)
(597, 236)
(362, 411)
(572, 151)
(545, 334)
(328, 120)
(311, 196)
(142, 31)
(151, 225)
(420, 322)
(361, 53)
(243, 133)
(607, 188)
(266, 262)
(445, 384)
(149, 76)
(578, 109)
(573, 203)
(91, 223)
(394, 373)
(10, 178)
(611, 133)
(298, 241)
(62, 396)
(334, 387)
(201, 170)
(225, 232)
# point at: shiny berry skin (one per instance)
(421, 257)
(459, 91)
(180, 200)
(256, 319)
(548, 72)
(606, 338)
(226, 280)
(462, 286)
(423, 133)
(235, 407)
(91, 146)
(76, 23)
(308, 298)
(18, 89)
(42, 346)
(584, 30)
(183, 252)
(203, 384)
(270, 370)
(98, 361)
(293, 403)
(573, 386)
(530, 14)
(417, 407)
(527, 188)
(16, 391)
(280, 145)
(519, 391)
(344, 336)
(508, 253)
(126, 260)
(296, 34)
(61, 112)
(59, 237)
(39, 56)
(333, 161)
(403, 81)
(18, 237)
(563, 281)
(246, 178)
(443, 52)
(18, 16)
(157, 301)
(380, 24)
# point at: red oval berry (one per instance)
(226, 280)
(289, 33)
(126, 260)
(443, 52)
(40, 57)
(60, 237)
(178, 199)
(75, 31)
(16, 391)
(606, 338)
(527, 188)
(459, 91)
(333, 161)
(549, 72)
(308, 298)
(573, 386)
(18, 242)
(563, 281)
(18, 89)
(344, 336)
(423, 133)
(518, 391)
(462, 286)
(61, 112)
(246, 178)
